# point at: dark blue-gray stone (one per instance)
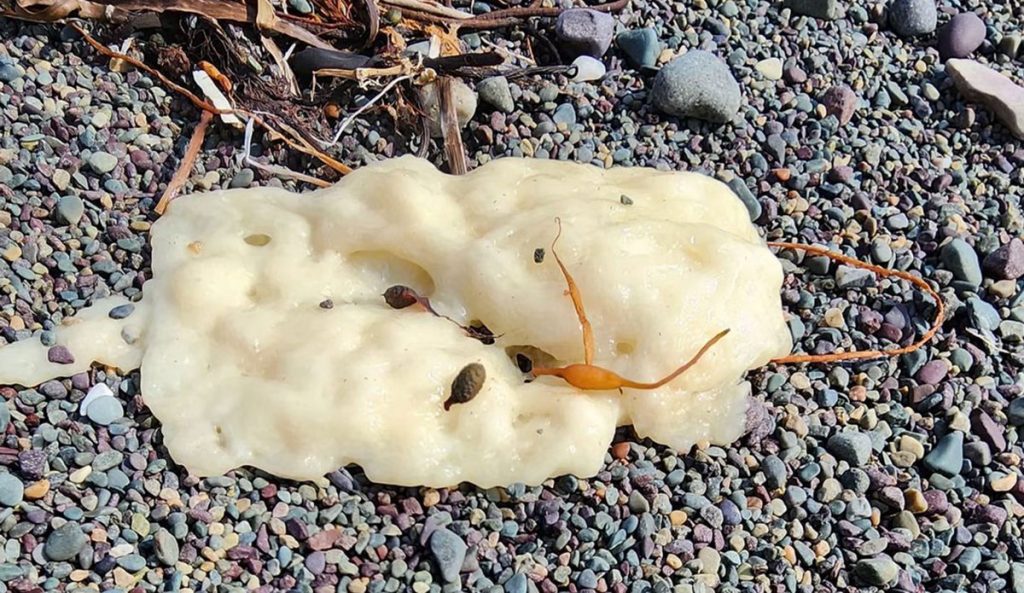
(105, 410)
(449, 552)
(1015, 411)
(12, 490)
(876, 572)
(969, 560)
(961, 259)
(828, 10)
(774, 472)
(243, 178)
(851, 447)
(565, 114)
(70, 209)
(121, 311)
(516, 584)
(948, 455)
(739, 187)
(65, 542)
(132, 562)
(640, 46)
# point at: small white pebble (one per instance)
(588, 68)
(96, 392)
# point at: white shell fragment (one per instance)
(95, 392)
(243, 366)
(588, 68)
(213, 93)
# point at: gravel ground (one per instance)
(901, 475)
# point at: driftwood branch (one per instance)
(450, 129)
(188, 160)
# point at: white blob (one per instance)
(242, 366)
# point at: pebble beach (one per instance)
(888, 131)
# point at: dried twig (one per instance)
(509, 53)
(404, 69)
(428, 7)
(505, 17)
(188, 160)
(521, 12)
(453, 147)
(299, 143)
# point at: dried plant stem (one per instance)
(428, 7)
(365, 73)
(453, 147)
(188, 160)
(940, 309)
(505, 17)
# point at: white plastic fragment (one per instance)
(588, 68)
(212, 92)
(96, 392)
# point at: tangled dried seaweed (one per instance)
(343, 48)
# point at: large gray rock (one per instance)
(828, 10)
(583, 31)
(876, 572)
(980, 83)
(910, 18)
(697, 84)
(65, 542)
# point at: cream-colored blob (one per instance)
(243, 367)
(91, 336)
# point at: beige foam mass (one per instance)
(243, 366)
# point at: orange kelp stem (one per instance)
(940, 309)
